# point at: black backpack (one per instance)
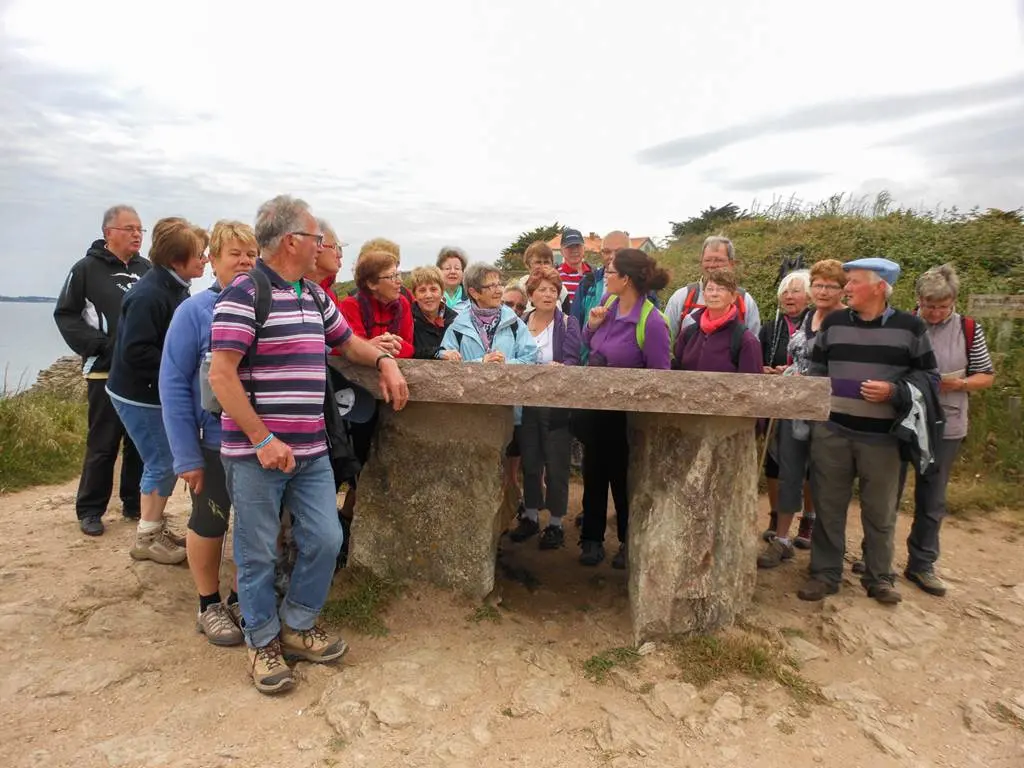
(735, 338)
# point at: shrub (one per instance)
(42, 439)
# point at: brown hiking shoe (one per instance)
(158, 547)
(814, 590)
(270, 673)
(311, 644)
(177, 538)
(885, 593)
(775, 551)
(218, 626)
(928, 581)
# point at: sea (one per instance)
(29, 343)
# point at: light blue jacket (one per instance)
(512, 338)
(186, 423)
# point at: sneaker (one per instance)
(803, 535)
(621, 558)
(775, 552)
(91, 525)
(552, 537)
(928, 581)
(773, 522)
(858, 567)
(311, 644)
(524, 530)
(593, 553)
(158, 547)
(218, 625)
(235, 612)
(814, 590)
(270, 673)
(885, 593)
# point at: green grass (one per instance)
(362, 600)
(598, 666)
(703, 659)
(42, 439)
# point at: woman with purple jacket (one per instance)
(544, 437)
(717, 341)
(625, 330)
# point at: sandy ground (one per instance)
(102, 666)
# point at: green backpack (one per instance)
(645, 311)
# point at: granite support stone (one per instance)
(692, 526)
(430, 494)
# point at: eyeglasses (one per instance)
(332, 246)
(824, 287)
(395, 277)
(132, 230)
(610, 251)
(514, 305)
(319, 238)
(490, 286)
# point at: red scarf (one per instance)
(709, 326)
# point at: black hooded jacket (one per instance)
(89, 304)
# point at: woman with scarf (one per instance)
(452, 263)
(430, 316)
(379, 313)
(717, 341)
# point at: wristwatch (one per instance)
(380, 357)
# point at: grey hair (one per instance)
(452, 252)
(716, 241)
(796, 276)
(327, 230)
(938, 283)
(110, 215)
(475, 274)
(277, 218)
(875, 277)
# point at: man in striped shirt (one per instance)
(573, 267)
(864, 350)
(270, 381)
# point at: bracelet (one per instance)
(264, 442)
(380, 357)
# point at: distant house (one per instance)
(592, 246)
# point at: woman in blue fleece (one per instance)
(194, 434)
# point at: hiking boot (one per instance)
(235, 612)
(814, 590)
(158, 547)
(773, 523)
(928, 581)
(775, 551)
(803, 535)
(621, 558)
(270, 673)
(524, 530)
(593, 553)
(858, 567)
(311, 644)
(218, 625)
(91, 525)
(552, 537)
(885, 593)
(177, 538)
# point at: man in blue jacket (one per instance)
(86, 314)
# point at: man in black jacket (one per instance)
(86, 315)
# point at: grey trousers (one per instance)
(930, 509)
(794, 456)
(545, 443)
(836, 461)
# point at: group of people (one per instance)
(228, 390)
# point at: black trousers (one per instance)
(105, 440)
(605, 463)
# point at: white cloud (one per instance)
(454, 121)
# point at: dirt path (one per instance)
(102, 666)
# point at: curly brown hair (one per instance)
(829, 269)
(541, 275)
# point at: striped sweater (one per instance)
(287, 377)
(851, 351)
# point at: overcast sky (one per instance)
(469, 122)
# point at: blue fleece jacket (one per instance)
(188, 426)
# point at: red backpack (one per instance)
(690, 302)
(970, 329)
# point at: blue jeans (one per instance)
(145, 426)
(256, 495)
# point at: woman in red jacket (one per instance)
(378, 311)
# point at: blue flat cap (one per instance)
(886, 269)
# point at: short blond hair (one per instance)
(226, 230)
(426, 276)
(380, 244)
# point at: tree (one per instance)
(709, 219)
(512, 255)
